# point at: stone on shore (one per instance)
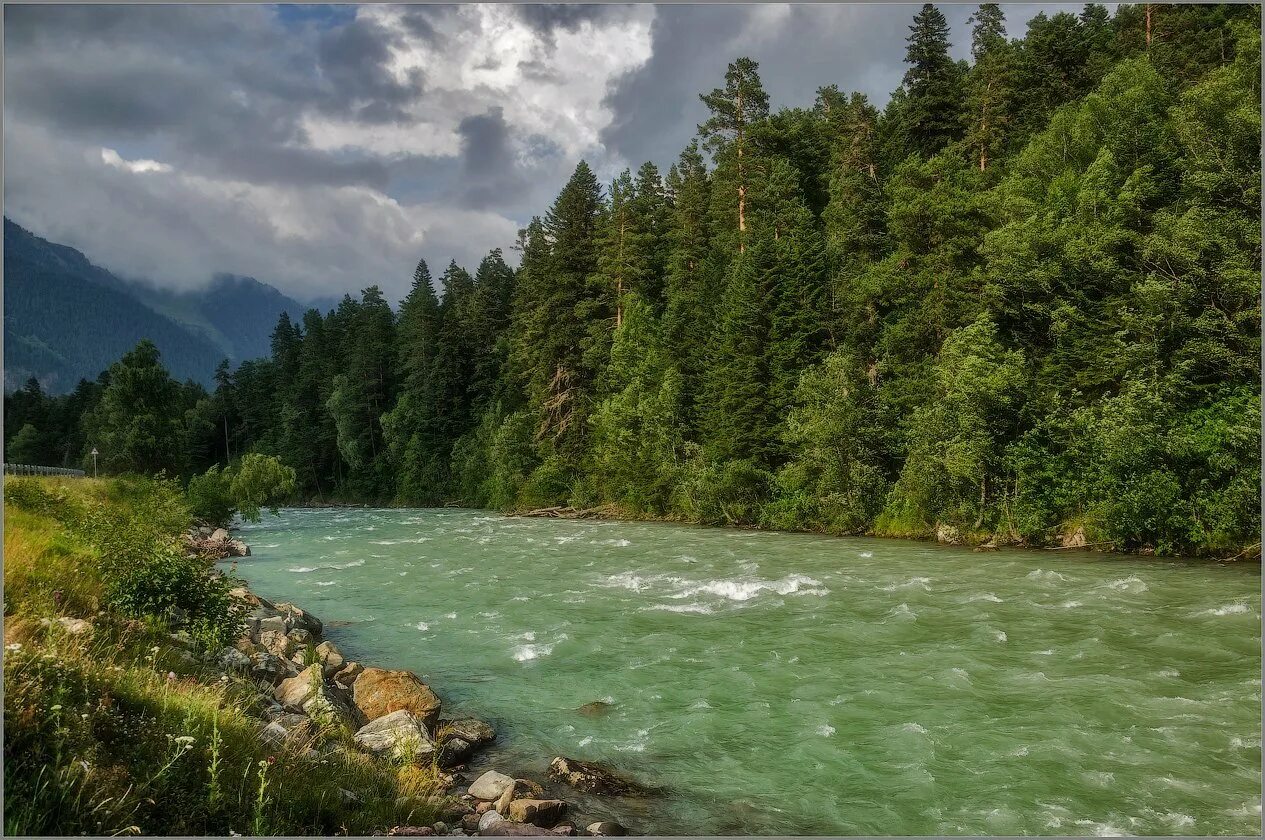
(379, 692)
(542, 812)
(271, 669)
(232, 659)
(591, 777)
(607, 829)
(309, 692)
(219, 535)
(298, 618)
(237, 548)
(277, 643)
(331, 658)
(347, 675)
(489, 819)
(503, 802)
(505, 828)
(490, 786)
(399, 735)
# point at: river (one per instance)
(800, 684)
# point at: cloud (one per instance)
(322, 148)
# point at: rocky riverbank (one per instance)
(315, 700)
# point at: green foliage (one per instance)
(247, 486)
(210, 496)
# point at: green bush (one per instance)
(255, 482)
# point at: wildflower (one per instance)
(84, 716)
(171, 676)
(272, 759)
(184, 739)
(56, 707)
(224, 678)
(13, 647)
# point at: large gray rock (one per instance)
(309, 692)
(346, 676)
(399, 735)
(271, 669)
(277, 642)
(607, 829)
(219, 535)
(232, 659)
(489, 819)
(288, 728)
(237, 548)
(490, 786)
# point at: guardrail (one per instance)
(34, 469)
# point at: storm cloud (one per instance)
(323, 148)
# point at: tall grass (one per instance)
(120, 731)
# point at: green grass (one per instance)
(121, 731)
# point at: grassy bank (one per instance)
(115, 720)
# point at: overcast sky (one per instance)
(325, 148)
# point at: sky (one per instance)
(322, 149)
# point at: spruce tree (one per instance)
(932, 107)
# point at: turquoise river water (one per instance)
(797, 684)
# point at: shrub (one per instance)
(255, 482)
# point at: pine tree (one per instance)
(989, 84)
(735, 109)
(932, 107)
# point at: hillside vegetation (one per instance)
(114, 722)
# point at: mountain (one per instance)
(67, 319)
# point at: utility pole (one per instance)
(94, 462)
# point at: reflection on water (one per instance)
(780, 683)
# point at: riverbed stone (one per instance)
(399, 735)
(470, 823)
(598, 708)
(503, 802)
(542, 812)
(237, 548)
(490, 786)
(505, 828)
(607, 828)
(471, 730)
(379, 692)
(527, 789)
(454, 751)
(592, 777)
(488, 819)
(219, 535)
(300, 636)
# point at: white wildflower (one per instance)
(56, 707)
(14, 646)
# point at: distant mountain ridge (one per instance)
(67, 319)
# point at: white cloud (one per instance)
(176, 229)
(112, 158)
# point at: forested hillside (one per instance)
(67, 319)
(1020, 300)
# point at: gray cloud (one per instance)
(324, 149)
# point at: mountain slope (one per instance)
(67, 319)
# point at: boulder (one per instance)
(483, 807)
(542, 812)
(300, 636)
(564, 829)
(454, 751)
(379, 692)
(503, 802)
(490, 786)
(607, 829)
(277, 643)
(268, 621)
(297, 617)
(271, 669)
(237, 548)
(440, 827)
(232, 659)
(346, 676)
(398, 735)
(591, 777)
(309, 692)
(471, 730)
(489, 819)
(288, 728)
(470, 823)
(331, 658)
(247, 646)
(219, 535)
(1075, 539)
(73, 626)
